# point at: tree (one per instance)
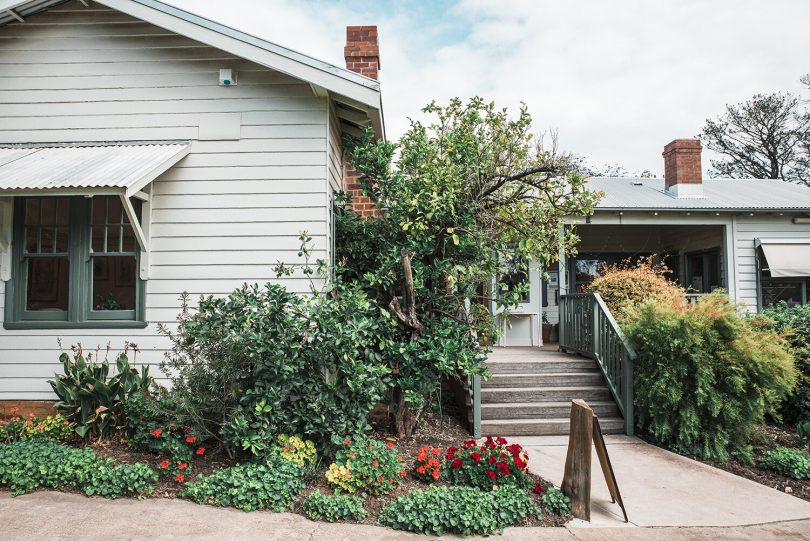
(767, 136)
(469, 197)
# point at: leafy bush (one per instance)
(626, 283)
(367, 465)
(493, 463)
(794, 463)
(320, 506)
(297, 450)
(461, 510)
(555, 502)
(265, 361)
(428, 466)
(89, 397)
(272, 485)
(704, 376)
(30, 464)
(54, 427)
(794, 324)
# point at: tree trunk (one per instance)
(405, 419)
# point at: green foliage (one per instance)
(460, 510)
(469, 194)
(794, 324)
(265, 361)
(794, 463)
(494, 462)
(705, 376)
(366, 465)
(555, 502)
(626, 284)
(54, 427)
(30, 464)
(89, 397)
(272, 485)
(332, 508)
(296, 449)
(803, 431)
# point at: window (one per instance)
(703, 271)
(793, 291)
(75, 264)
(517, 276)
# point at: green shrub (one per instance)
(320, 506)
(461, 510)
(794, 463)
(296, 449)
(30, 464)
(265, 361)
(555, 502)
(705, 376)
(366, 465)
(495, 462)
(54, 427)
(271, 485)
(626, 284)
(794, 324)
(89, 397)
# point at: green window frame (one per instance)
(88, 233)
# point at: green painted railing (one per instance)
(588, 328)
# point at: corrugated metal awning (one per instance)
(787, 258)
(111, 168)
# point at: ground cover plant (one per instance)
(333, 508)
(366, 465)
(793, 463)
(17, 428)
(31, 464)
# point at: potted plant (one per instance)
(547, 327)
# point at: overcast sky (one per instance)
(619, 79)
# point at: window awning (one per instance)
(85, 169)
(787, 258)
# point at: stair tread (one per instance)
(543, 420)
(596, 403)
(541, 388)
(543, 375)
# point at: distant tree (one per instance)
(767, 136)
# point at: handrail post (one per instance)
(476, 384)
(596, 343)
(561, 317)
(629, 414)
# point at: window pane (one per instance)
(113, 283)
(113, 237)
(46, 240)
(32, 240)
(48, 212)
(114, 210)
(586, 271)
(62, 239)
(32, 212)
(129, 239)
(48, 282)
(774, 291)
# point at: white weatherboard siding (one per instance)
(760, 226)
(224, 215)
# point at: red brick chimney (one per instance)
(362, 51)
(683, 174)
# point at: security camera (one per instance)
(227, 77)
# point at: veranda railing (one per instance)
(588, 328)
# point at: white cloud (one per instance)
(619, 79)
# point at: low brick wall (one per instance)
(24, 407)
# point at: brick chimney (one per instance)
(362, 51)
(683, 174)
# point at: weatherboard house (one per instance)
(146, 151)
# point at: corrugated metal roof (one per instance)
(719, 194)
(65, 167)
(24, 8)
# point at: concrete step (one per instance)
(544, 427)
(552, 379)
(554, 364)
(500, 395)
(543, 410)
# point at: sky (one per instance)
(617, 79)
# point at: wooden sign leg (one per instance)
(577, 479)
(607, 467)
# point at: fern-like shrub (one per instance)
(626, 284)
(705, 376)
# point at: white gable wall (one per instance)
(223, 216)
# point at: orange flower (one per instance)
(436, 473)
(374, 463)
(179, 478)
(380, 479)
(421, 457)
(420, 470)
(389, 445)
(182, 466)
(436, 451)
(403, 473)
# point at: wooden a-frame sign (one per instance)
(577, 479)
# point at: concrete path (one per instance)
(660, 488)
(47, 516)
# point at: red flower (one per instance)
(403, 473)
(182, 466)
(375, 463)
(14, 410)
(492, 460)
(469, 444)
(456, 463)
(519, 464)
(347, 442)
(500, 441)
(179, 477)
(191, 439)
(491, 475)
(164, 464)
(157, 432)
(475, 455)
(538, 488)
(381, 479)
(389, 445)
(200, 451)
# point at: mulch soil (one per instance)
(433, 430)
(768, 437)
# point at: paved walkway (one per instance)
(47, 516)
(660, 488)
